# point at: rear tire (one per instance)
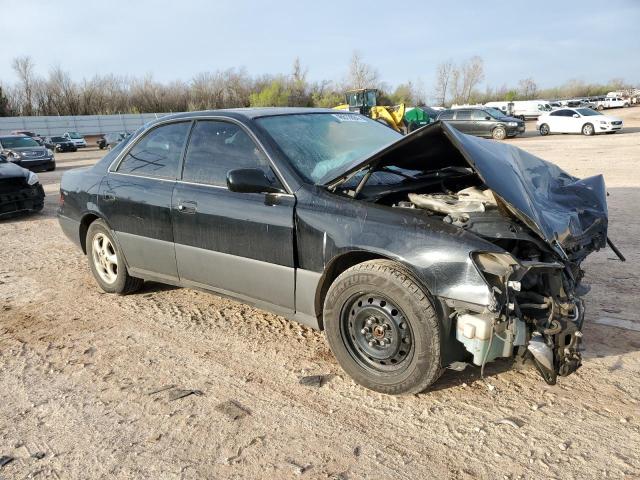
(588, 130)
(106, 262)
(499, 133)
(544, 129)
(383, 329)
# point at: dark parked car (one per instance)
(27, 153)
(20, 189)
(28, 133)
(483, 122)
(110, 140)
(411, 252)
(61, 144)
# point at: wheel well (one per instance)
(335, 268)
(87, 220)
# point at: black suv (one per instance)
(483, 122)
(60, 144)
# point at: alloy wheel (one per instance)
(105, 258)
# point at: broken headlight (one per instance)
(496, 264)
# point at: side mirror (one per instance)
(575, 115)
(250, 180)
(487, 117)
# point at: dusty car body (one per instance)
(20, 190)
(486, 239)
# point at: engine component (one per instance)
(475, 331)
(541, 352)
(469, 200)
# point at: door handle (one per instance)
(187, 207)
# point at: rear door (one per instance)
(136, 200)
(237, 243)
(462, 121)
(560, 121)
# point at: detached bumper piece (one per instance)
(17, 197)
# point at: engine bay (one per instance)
(538, 312)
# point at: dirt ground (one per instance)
(92, 385)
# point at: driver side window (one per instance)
(215, 148)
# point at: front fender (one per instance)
(439, 254)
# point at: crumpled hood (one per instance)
(563, 210)
(11, 170)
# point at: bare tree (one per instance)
(527, 88)
(443, 79)
(361, 75)
(300, 95)
(456, 89)
(24, 68)
(63, 92)
(472, 75)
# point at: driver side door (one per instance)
(232, 242)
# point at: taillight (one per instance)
(61, 200)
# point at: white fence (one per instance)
(84, 124)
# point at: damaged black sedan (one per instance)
(20, 190)
(411, 253)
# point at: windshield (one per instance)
(18, 142)
(58, 139)
(75, 135)
(587, 112)
(318, 143)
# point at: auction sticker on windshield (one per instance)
(348, 117)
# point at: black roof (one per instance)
(253, 112)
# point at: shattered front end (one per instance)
(536, 311)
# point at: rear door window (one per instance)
(158, 153)
(479, 115)
(463, 115)
(217, 147)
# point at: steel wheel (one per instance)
(105, 258)
(376, 333)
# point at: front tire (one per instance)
(499, 133)
(544, 129)
(106, 262)
(382, 328)
(588, 130)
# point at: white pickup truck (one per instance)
(612, 102)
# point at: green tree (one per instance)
(275, 94)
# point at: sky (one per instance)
(550, 41)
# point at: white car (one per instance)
(577, 120)
(612, 102)
(77, 139)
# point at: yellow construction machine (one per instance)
(365, 101)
